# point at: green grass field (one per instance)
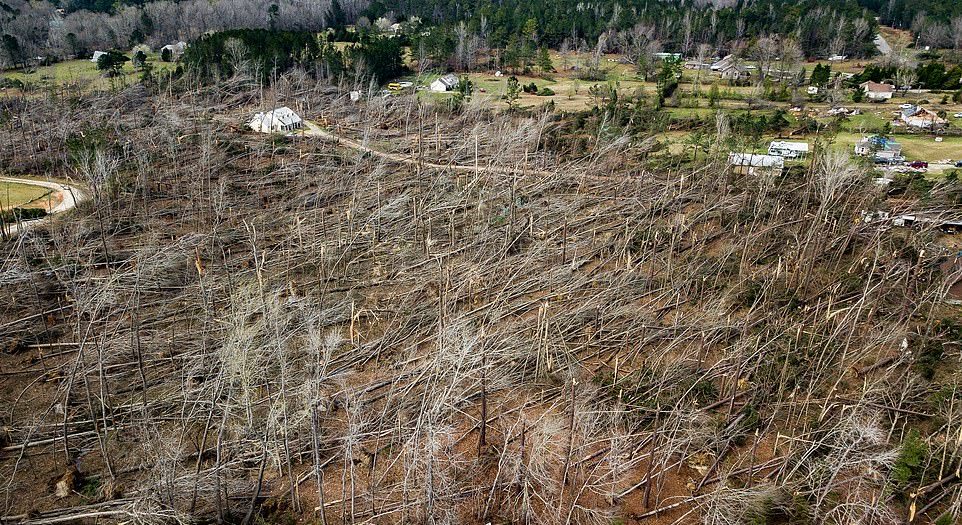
(83, 73)
(15, 195)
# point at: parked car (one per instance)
(958, 164)
(918, 164)
(906, 106)
(958, 115)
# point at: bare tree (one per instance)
(956, 26)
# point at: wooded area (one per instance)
(484, 317)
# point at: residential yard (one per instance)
(924, 147)
(82, 73)
(574, 94)
(15, 195)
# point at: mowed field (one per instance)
(82, 73)
(16, 195)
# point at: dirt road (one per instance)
(313, 130)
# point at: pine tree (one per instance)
(512, 94)
(544, 61)
(336, 17)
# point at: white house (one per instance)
(883, 150)
(175, 49)
(445, 83)
(876, 91)
(868, 145)
(276, 121)
(922, 118)
(788, 150)
(750, 163)
(97, 55)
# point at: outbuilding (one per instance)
(751, 163)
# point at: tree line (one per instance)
(821, 27)
(32, 29)
(262, 54)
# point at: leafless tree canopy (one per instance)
(40, 30)
(486, 318)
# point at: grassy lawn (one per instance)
(866, 122)
(925, 147)
(84, 73)
(571, 93)
(13, 195)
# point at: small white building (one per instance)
(447, 82)
(276, 121)
(175, 49)
(788, 150)
(97, 55)
(876, 91)
(751, 163)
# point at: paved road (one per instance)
(68, 196)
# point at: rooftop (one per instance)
(877, 87)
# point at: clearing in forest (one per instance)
(17, 195)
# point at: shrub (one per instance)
(908, 466)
